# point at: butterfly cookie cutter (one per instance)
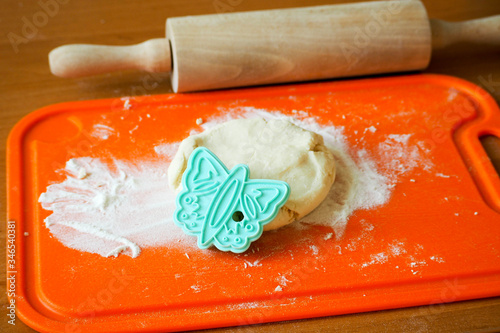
(225, 208)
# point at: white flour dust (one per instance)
(114, 209)
(409, 255)
(121, 208)
(102, 131)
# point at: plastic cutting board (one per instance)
(445, 220)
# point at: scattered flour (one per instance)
(418, 263)
(437, 259)
(283, 281)
(412, 255)
(247, 305)
(102, 132)
(397, 248)
(399, 156)
(378, 258)
(126, 103)
(123, 207)
(167, 150)
(114, 209)
(442, 175)
(133, 129)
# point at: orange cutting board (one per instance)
(447, 228)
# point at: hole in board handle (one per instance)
(491, 145)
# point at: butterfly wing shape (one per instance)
(258, 205)
(223, 205)
(203, 176)
(225, 208)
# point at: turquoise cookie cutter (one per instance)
(225, 208)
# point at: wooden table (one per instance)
(28, 35)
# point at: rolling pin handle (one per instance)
(78, 60)
(484, 31)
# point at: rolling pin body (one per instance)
(299, 44)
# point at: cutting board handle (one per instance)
(468, 140)
(77, 60)
(480, 31)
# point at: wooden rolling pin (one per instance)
(273, 46)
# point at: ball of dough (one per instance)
(274, 149)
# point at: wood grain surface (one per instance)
(30, 29)
(263, 48)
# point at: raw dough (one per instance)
(274, 149)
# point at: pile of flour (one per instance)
(121, 208)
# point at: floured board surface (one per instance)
(437, 238)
